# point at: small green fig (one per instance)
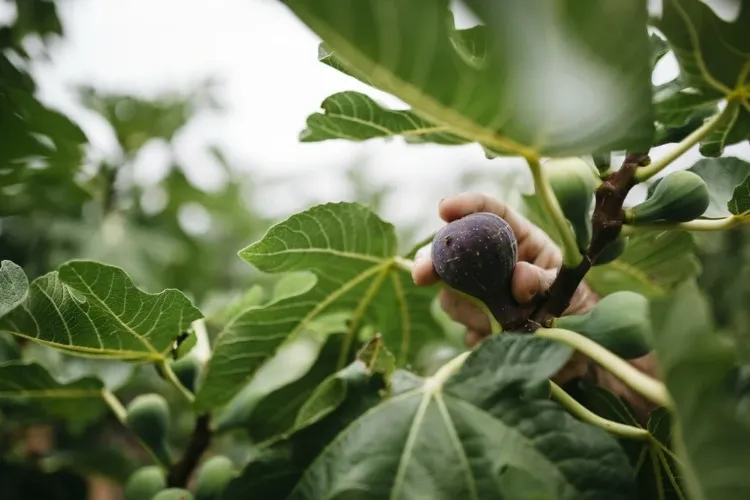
(681, 196)
(611, 251)
(144, 483)
(174, 494)
(213, 477)
(476, 255)
(187, 370)
(574, 185)
(620, 322)
(148, 416)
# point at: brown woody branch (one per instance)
(180, 472)
(606, 224)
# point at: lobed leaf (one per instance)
(515, 82)
(352, 254)
(93, 309)
(726, 179)
(714, 60)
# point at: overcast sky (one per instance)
(272, 80)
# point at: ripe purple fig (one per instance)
(476, 255)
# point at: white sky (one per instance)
(272, 81)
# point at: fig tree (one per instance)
(173, 494)
(213, 477)
(144, 483)
(148, 417)
(679, 197)
(620, 322)
(476, 255)
(574, 184)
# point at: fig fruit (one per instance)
(213, 477)
(148, 417)
(611, 251)
(679, 197)
(173, 494)
(620, 322)
(187, 370)
(476, 255)
(144, 483)
(574, 184)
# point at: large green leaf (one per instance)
(724, 176)
(30, 384)
(699, 367)
(93, 309)
(352, 253)
(357, 117)
(714, 59)
(544, 66)
(14, 285)
(457, 438)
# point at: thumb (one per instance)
(530, 281)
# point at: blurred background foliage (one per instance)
(60, 200)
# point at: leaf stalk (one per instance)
(166, 369)
(571, 254)
(627, 373)
(694, 225)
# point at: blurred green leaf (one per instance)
(352, 252)
(93, 309)
(714, 59)
(740, 202)
(723, 177)
(30, 384)
(541, 66)
(14, 286)
(699, 368)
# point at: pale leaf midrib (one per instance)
(450, 427)
(53, 394)
(411, 438)
(248, 255)
(390, 132)
(91, 351)
(429, 107)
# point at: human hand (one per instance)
(539, 259)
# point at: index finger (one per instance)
(534, 245)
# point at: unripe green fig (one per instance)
(144, 483)
(679, 197)
(148, 417)
(187, 370)
(476, 255)
(213, 477)
(611, 251)
(574, 184)
(174, 494)
(620, 322)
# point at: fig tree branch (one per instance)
(688, 142)
(606, 223)
(179, 473)
(627, 373)
(543, 189)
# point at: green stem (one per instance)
(693, 225)
(571, 254)
(166, 369)
(645, 173)
(627, 373)
(580, 411)
(115, 405)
